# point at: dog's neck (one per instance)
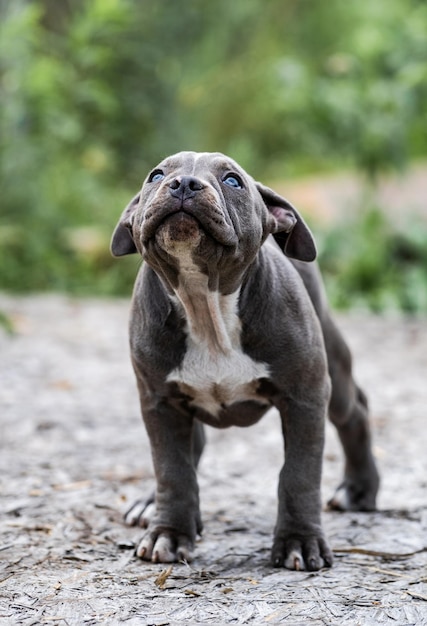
(211, 317)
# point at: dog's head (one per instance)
(204, 205)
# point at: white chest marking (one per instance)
(216, 381)
(215, 371)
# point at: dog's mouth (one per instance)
(179, 227)
(187, 223)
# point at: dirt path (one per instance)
(73, 455)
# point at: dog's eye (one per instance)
(156, 176)
(232, 180)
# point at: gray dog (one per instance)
(228, 321)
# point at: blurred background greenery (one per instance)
(96, 92)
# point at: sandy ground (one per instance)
(74, 455)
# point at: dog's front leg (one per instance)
(299, 542)
(175, 520)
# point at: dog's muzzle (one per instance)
(188, 201)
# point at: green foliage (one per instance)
(6, 323)
(58, 170)
(94, 92)
(367, 263)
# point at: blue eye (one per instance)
(156, 176)
(232, 181)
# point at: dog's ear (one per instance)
(287, 226)
(122, 241)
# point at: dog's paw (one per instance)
(141, 513)
(356, 495)
(165, 547)
(162, 542)
(299, 552)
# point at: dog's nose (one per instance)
(184, 187)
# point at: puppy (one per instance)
(229, 318)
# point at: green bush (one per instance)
(94, 92)
(60, 188)
(366, 263)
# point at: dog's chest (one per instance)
(215, 372)
(215, 381)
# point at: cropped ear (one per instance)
(122, 242)
(287, 226)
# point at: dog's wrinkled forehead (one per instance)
(203, 165)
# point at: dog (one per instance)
(228, 319)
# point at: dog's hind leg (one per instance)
(348, 407)
(348, 411)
